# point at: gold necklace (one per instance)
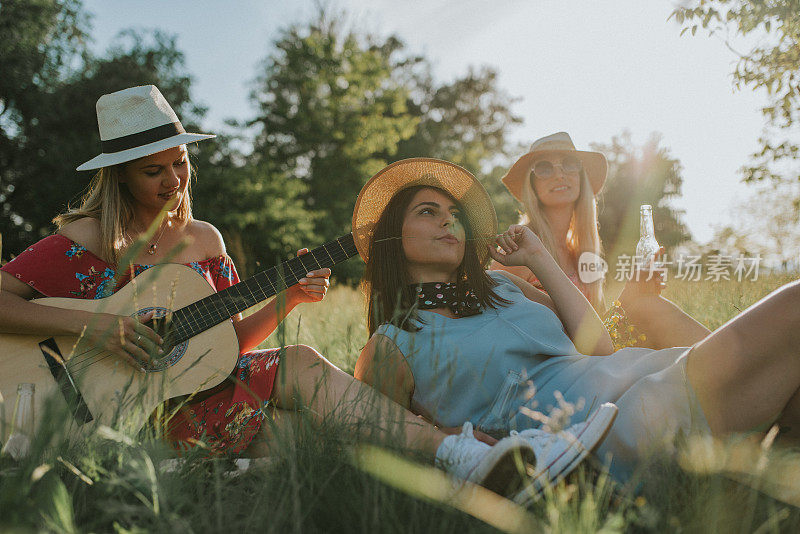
(154, 244)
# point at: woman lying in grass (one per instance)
(457, 343)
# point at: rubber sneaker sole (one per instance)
(504, 470)
(586, 441)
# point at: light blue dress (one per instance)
(481, 369)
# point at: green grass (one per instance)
(336, 327)
(318, 480)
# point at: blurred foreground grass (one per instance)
(317, 479)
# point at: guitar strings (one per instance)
(80, 361)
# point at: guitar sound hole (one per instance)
(160, 325)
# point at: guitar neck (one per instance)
(212, 310)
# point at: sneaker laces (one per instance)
(461, 446)
(543, 442)
(460, 453)
(543, 438)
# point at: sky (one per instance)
(590, 68)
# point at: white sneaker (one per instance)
(557, 455)
(501, 468)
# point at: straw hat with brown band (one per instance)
(558, 144)
(462, 186)
(134, 123)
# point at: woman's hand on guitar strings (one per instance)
(125, 337)
(311, 288)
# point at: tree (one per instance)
(330, 114)
(41, 39)
(258, 208)
(638, 175)
(766, 224)
(772, 64)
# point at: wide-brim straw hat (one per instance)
(134, 123)
(594, 163)
(457, 181)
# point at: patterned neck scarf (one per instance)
(432, 295)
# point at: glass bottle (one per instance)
(647, 247)
(19, 442)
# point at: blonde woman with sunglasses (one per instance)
(557, 184)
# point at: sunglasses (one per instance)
(546, 169)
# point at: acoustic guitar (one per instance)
(91, 386)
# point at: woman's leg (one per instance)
(789, 421)
(663, 322)
(283, 423)
(306, 377)
(747, 372)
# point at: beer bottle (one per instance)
(19, 442)
(647, 247)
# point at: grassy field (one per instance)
(318, 479)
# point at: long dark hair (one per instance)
(386, 284)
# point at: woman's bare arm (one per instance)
(124, 336)
(20, 316)
(382, 366)
(584, 327)
(256, 327)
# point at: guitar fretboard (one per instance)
(212, 310)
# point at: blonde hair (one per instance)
(112, 205)
(582, 235)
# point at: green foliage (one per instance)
(258, 208)
(636, 176)
(330, 113)
(507, 207)
(466, 121)
(772, 64)
(41, 39)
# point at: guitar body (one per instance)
(92, 387)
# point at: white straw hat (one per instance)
(134, 123)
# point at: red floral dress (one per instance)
(229, 415)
